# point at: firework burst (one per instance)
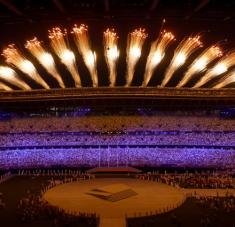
(15, 57)
(84, 47)
(200, 63)
(209, 64)
(156, 54)
(111, 53)
(182, 52)
(45, 58)
(135, 41)
(9, 75)
(67, 57)
(221, 67)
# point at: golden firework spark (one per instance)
(135, 41)
(5, 87)
(45, 58)
(156, 54)
(200, 63)
(15, 57)
(228, 79)
(111, 53)
(221, 67)
(9, 75)
(67, 57)
(182, 52)
(84, 47)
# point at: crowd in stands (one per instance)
(118, 156)
(118, 123)
(2, 203)
(131, 140)
(5, 176)
(75, 174)
(196, 141)
(226, 203)
(195, 212)
(33, 207)
(193, 180)
(192, 138)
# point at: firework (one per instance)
(111, 53)
(182, 52)
(45, 58)
(67, 57)
(84, 47)
(5, 87)
(9, 75)
(15, 57)
(200, 63)
(156, 54)
(230, 78)
(221, 67)
(135, 41)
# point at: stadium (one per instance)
(117, 113)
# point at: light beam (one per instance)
(111, 53)
(221, 67)
(67, 57)
(228, 79)
(182, 52)
(9, 75)
(5, 87)
(156, 54)
(200, 63)
(135, 41)
(84, 47)
(15, 57)
(45, 58)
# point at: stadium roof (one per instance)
(118, 98)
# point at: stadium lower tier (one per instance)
(144, 137)
(48, 157)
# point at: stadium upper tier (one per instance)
(118, 130)
(66, 65)
(102, 124)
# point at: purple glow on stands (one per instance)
(177, 157)
(192, 138)
(164, 140)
